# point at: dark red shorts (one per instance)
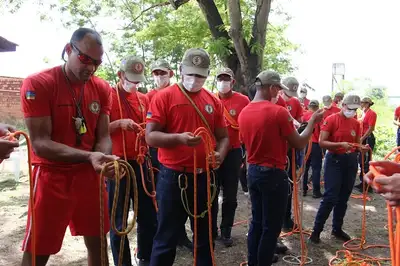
(64, 197)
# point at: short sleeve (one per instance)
(397, 112)
(157, 112)
(106, 99)
(372, 119)
(285, 122)
(35, 98)
(219, 115)
(299, 112)
(358, 130)
(327, 125)
(114, 113)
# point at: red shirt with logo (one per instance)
(341, 129)
(47, 94)
(397, 112)
(295, 109)
(172, 110)
(330, 111)
(369, 120)
(265, 135)
(317, 127)
(234, 105)
(134, 106)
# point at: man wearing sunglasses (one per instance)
(66, 111)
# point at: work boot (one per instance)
(280, 247)
(317, 194)
(144, 262)
(185, 242)
(275, 258)
(341, 235)
(315, 237)
(226, 237)
(304, 193)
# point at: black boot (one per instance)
(226, 236)
(275, 258)
(317, 194)
(315, 237)
(144, 263)
(185, 242)
(341, 235)
(280, 247)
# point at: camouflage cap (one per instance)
(225, 71)
(162, 65)
(352, 101)
(327, 100)
(314, 103)
(133, 67)
(367, 100)
(292, 84)
(196, 61)
(269, 77)
(339, 94)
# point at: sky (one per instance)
(360, 34)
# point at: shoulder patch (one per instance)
(149, 115)
(30, 95)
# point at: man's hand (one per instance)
(128, 125)
(365, 148)
(5, 129)
(189, 139)
(346, 146)
(218, 159)
(317, 116)
(6, 148)
(98, 161)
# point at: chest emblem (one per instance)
(209, 109)
(94, 107)
(232, 112)
(289, 108)
(353, 133)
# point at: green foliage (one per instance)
(376, 93)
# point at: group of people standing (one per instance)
(77, 123)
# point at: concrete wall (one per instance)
(10, 103)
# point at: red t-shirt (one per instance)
(265, 135)
(151, 94)
(281, 102)
(369, 120)
(341, 129)
(397, 112)
(173, 111)
(134, 106)
(295, 109)
(305, 103)
(234, 105)
(317, 127)
(330, 111)
(47, 94)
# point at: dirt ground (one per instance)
(13, 214)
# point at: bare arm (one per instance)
(156, 138)
(103, 141)
(369, 131)
(222, 138)
(114, 125)
(40, 129)
(299, 141)
(396, 121)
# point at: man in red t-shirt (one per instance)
(315, 158)
(133, 106)
(266, 140)
(228, 174)
(368, 122)
(303, 98)
(162, 74)
(67, 111)
(6, 146)
(329, 107)
(337, 100)
(175, 114)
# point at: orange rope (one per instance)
(14, 137)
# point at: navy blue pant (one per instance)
(172, 217)
(398, 137)
(228, 181)
(146, 220)
(367, 156)
(340, 172)
(268, 189)
(243, 171)
(315, 161)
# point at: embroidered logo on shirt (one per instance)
(232, 112)
(209, 109)
(353, 133)
(289, 108)
(30, 95)
(94, 107)
(149, 115)
(325, 123)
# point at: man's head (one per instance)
(162, 72)
(85, 52)
(195, 68)
(313, 105)
(303, 93)
(366, 103)
(292, 86)
(350, 105)
(338, 97)
(327, 101)
(268, 84)
(131, 72)
(225, 80)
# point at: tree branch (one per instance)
(213, 18)
(144, 11)
(259, 30)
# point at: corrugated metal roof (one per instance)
(7, 46)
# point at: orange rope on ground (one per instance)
(14, 137)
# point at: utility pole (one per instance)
(338, 70)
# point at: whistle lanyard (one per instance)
(73, 94)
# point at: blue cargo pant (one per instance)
(228, 180)
(146, 220)
(315, 162)
(172, 216)
(268, 189)
(340, 172)
(367, 156)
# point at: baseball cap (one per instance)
(326, 100)
(314, 103)
(162, 65)
(133, 67)
(352, 101)
(225, 71)
(303, 90)
(269, 77)
(196, 61)
(292, 84)
(339, 94)
(367, 100)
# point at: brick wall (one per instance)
(10, 103)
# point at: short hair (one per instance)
(79, 34)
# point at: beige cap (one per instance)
(133, 67)
(162, 65)
(327, 100)
(225, 71)
(367, 100)
(293, 86)
(269, 77)
(196, 61)
(352, 101)
(339, 94)
(314, 103)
